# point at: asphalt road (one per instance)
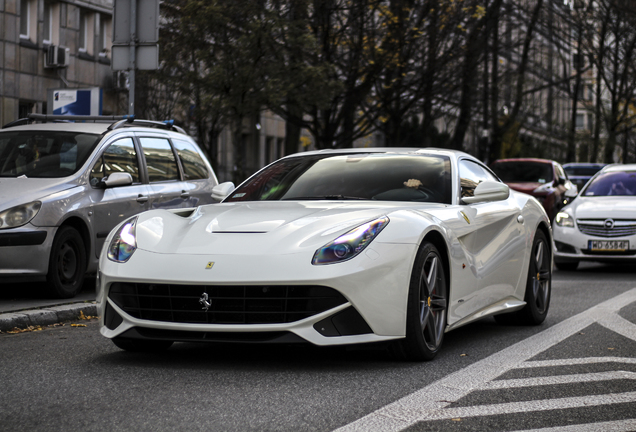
(574, 372)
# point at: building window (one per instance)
(590, 122)
(105, 37)
(87, 32)
(28, 20)
(580, 121)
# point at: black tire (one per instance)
(567, 266)
(426, 308)
(142, 345)
(67, 263)
(538, 286)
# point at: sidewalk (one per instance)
(21, 311)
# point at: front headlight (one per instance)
(564, 220)
(19, 215)
(349, 244)
(124, 243)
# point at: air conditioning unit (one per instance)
(56, 57)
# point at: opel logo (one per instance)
(609, 224)
(206, 301)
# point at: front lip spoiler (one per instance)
(33, 238)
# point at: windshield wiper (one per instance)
(326, 197)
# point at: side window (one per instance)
(160, 160)
(470, 175)
(120, 156)
(193, 165)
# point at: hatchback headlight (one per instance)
(19, 215)
(124, 243)
(349, 244)
(564, 220)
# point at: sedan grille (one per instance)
(230, 304)
(599, 227)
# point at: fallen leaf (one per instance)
(16, 330)
(456, 419)
(463, 355)
(611, 348)
(78, 325)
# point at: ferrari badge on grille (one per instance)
(206, 301)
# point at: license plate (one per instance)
(608, 245)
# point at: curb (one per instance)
(46, 316)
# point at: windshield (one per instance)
(588, 171)
(612, 183)
(524, 172)
(377, 176)
(44, 154)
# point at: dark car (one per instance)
(544, 179)
(580, 172)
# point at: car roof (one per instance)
(96, 128)
(584, 164)
(620, 167)
(535, 160)
(391, 150)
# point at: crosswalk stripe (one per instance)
(560, 379)
(577, 361)
(529, 406)
(612, 426)
(431, 402)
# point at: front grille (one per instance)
(596, 227)
(241, 304)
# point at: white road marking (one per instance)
(612, 426)
(530, 406)
(578, 361)
(431, 402)
(560, 379)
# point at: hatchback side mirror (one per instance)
(116, 179)
(488, 190)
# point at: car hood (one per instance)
(623, 207)
(275, 227)
(528, 188)
(16, 191)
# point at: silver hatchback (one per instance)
(64, 186)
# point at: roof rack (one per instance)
(119, 121)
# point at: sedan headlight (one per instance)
(349, 244)
(124, 243)
(19, 215)
(564, 220)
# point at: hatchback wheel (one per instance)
(67, 263)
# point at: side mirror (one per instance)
(117, 179)
(221, 191)
(488, 191)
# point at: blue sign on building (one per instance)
(75, 101)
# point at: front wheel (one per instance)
(426, 307)
(67, 263)
(538, 286)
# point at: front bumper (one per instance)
(571, 245)
(373, 287)
(25, 251)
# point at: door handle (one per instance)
(142, 199)
(185, 194)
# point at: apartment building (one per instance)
(51, 45)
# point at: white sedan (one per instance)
(350, 246)
(600, 224)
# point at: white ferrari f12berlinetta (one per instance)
(332, 247)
